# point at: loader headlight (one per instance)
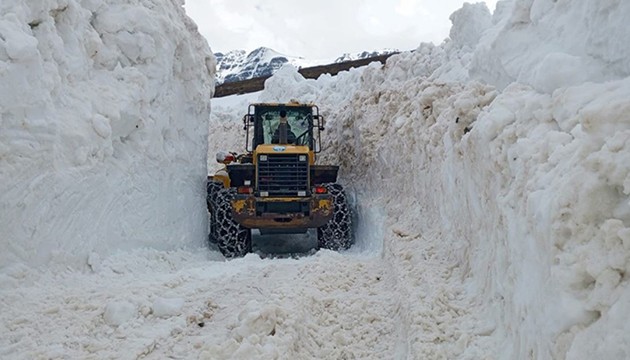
(262, 158)
(302, 157)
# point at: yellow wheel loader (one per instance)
(275, 186)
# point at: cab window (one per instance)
(298, 129)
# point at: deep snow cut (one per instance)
(525, 173)
(502, 208)
(103, 108)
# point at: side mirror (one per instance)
(248, 121)
(224, 157)
(321, 122)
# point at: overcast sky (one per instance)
(322, 29)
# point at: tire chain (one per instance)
(336, 234)
(213, 187)
(232, 239)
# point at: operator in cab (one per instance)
(283, 134)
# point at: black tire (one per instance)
(336, 234)
(232, 239)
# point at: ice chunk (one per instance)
(167, 307)
(119, 312)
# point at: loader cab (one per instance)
(304, 124)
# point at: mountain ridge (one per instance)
(239, 65)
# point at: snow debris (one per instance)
(167, 307)
(119, 312)
(469, 24)
(94, 262)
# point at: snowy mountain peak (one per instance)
(237, 65)
(264, 54)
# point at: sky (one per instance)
(324, 28)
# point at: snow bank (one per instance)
(551, 44)
(528, 186)
(103, 108)
(530, 191)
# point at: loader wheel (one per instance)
(336, 234)
(213, 187)
(232, 239)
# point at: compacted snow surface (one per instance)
(489, 178)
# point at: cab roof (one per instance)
(288, 104)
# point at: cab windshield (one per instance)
(298, 125)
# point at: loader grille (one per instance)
(283, 175)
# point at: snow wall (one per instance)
(550, 44)
(525, 173)
(103, 128)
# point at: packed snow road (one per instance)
(193, 304)
(182, 305)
